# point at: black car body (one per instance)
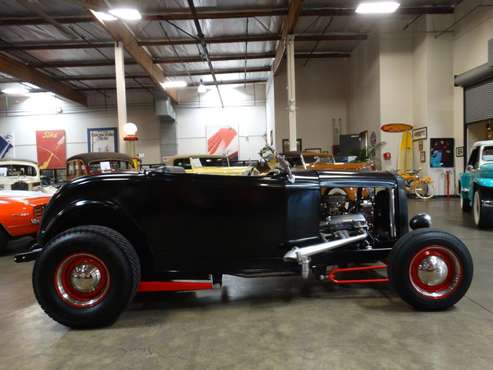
(187, 226)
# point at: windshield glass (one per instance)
(214, 162)
(17, 170)
(109, 166)
(488, 154)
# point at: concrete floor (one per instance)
(275, 323)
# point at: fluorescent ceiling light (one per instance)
(377, 7)
(127, 14)
(202, 88)
(103, 16)
(21, 91)
(30, 85)
(173, 84)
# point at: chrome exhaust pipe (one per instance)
(297, 254)
(302, 255)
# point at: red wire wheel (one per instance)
(435, 272)
(82, 280)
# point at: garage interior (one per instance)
(296, 75)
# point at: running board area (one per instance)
(174, 286)
(332, 275)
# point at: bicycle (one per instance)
(421, 186)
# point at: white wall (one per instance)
(396, 90)
(322, 88)
(24, 116)
(245, 110)
(470, 50)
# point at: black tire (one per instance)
(4, 240)
(120, 264)
(483, 216)
(403, 257)
(464, 204)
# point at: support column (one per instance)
(121, 97)
(291, 93)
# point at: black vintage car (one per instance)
(104, 238)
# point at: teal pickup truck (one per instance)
(476, 184)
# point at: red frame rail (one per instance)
(331, 276)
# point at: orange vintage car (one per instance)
(20, 214)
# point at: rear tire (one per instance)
(86, 276)
(430, 269)
(4, 240)
(483, 217)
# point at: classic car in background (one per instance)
(22, 175)
(207, 164)
(89, 164)
(20, 214)
(476, 184)
(326, 162)
(104, 238)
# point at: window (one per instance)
(487, 154)
(19, 170)
(71, 169)
(474, 158)
(182, 162)
(115, 165)
(214, 162)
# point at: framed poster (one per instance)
(459, 151)
(420, 133)
(285, 145)
(442, 153)
(421, 145)
(103, 139)
(51, 149)
(422, 157)
(223, 141)
(7, 146)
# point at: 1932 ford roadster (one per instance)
(105, 238)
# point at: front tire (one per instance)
(430, 269)
(483, 217)
(86, 276)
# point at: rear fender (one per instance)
(100, 213)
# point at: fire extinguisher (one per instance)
(387, 156)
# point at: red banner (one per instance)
(52, 152)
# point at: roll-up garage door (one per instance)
(478, 102)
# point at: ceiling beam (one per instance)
(228, 13)
(288, 27)
(120, 33)
(203, 44)
(179, 60)
(209, 83)
(20, 71)
(98, 44)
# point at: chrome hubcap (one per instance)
(85, 278)
(432, 271)
(82, 280)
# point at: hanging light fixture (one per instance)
(173, 84)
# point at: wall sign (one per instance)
(442, 153)
(51, 149)
(459, 151)
(223, 141)
(420, 133)
(102, 139)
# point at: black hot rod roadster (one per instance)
(104, 238)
